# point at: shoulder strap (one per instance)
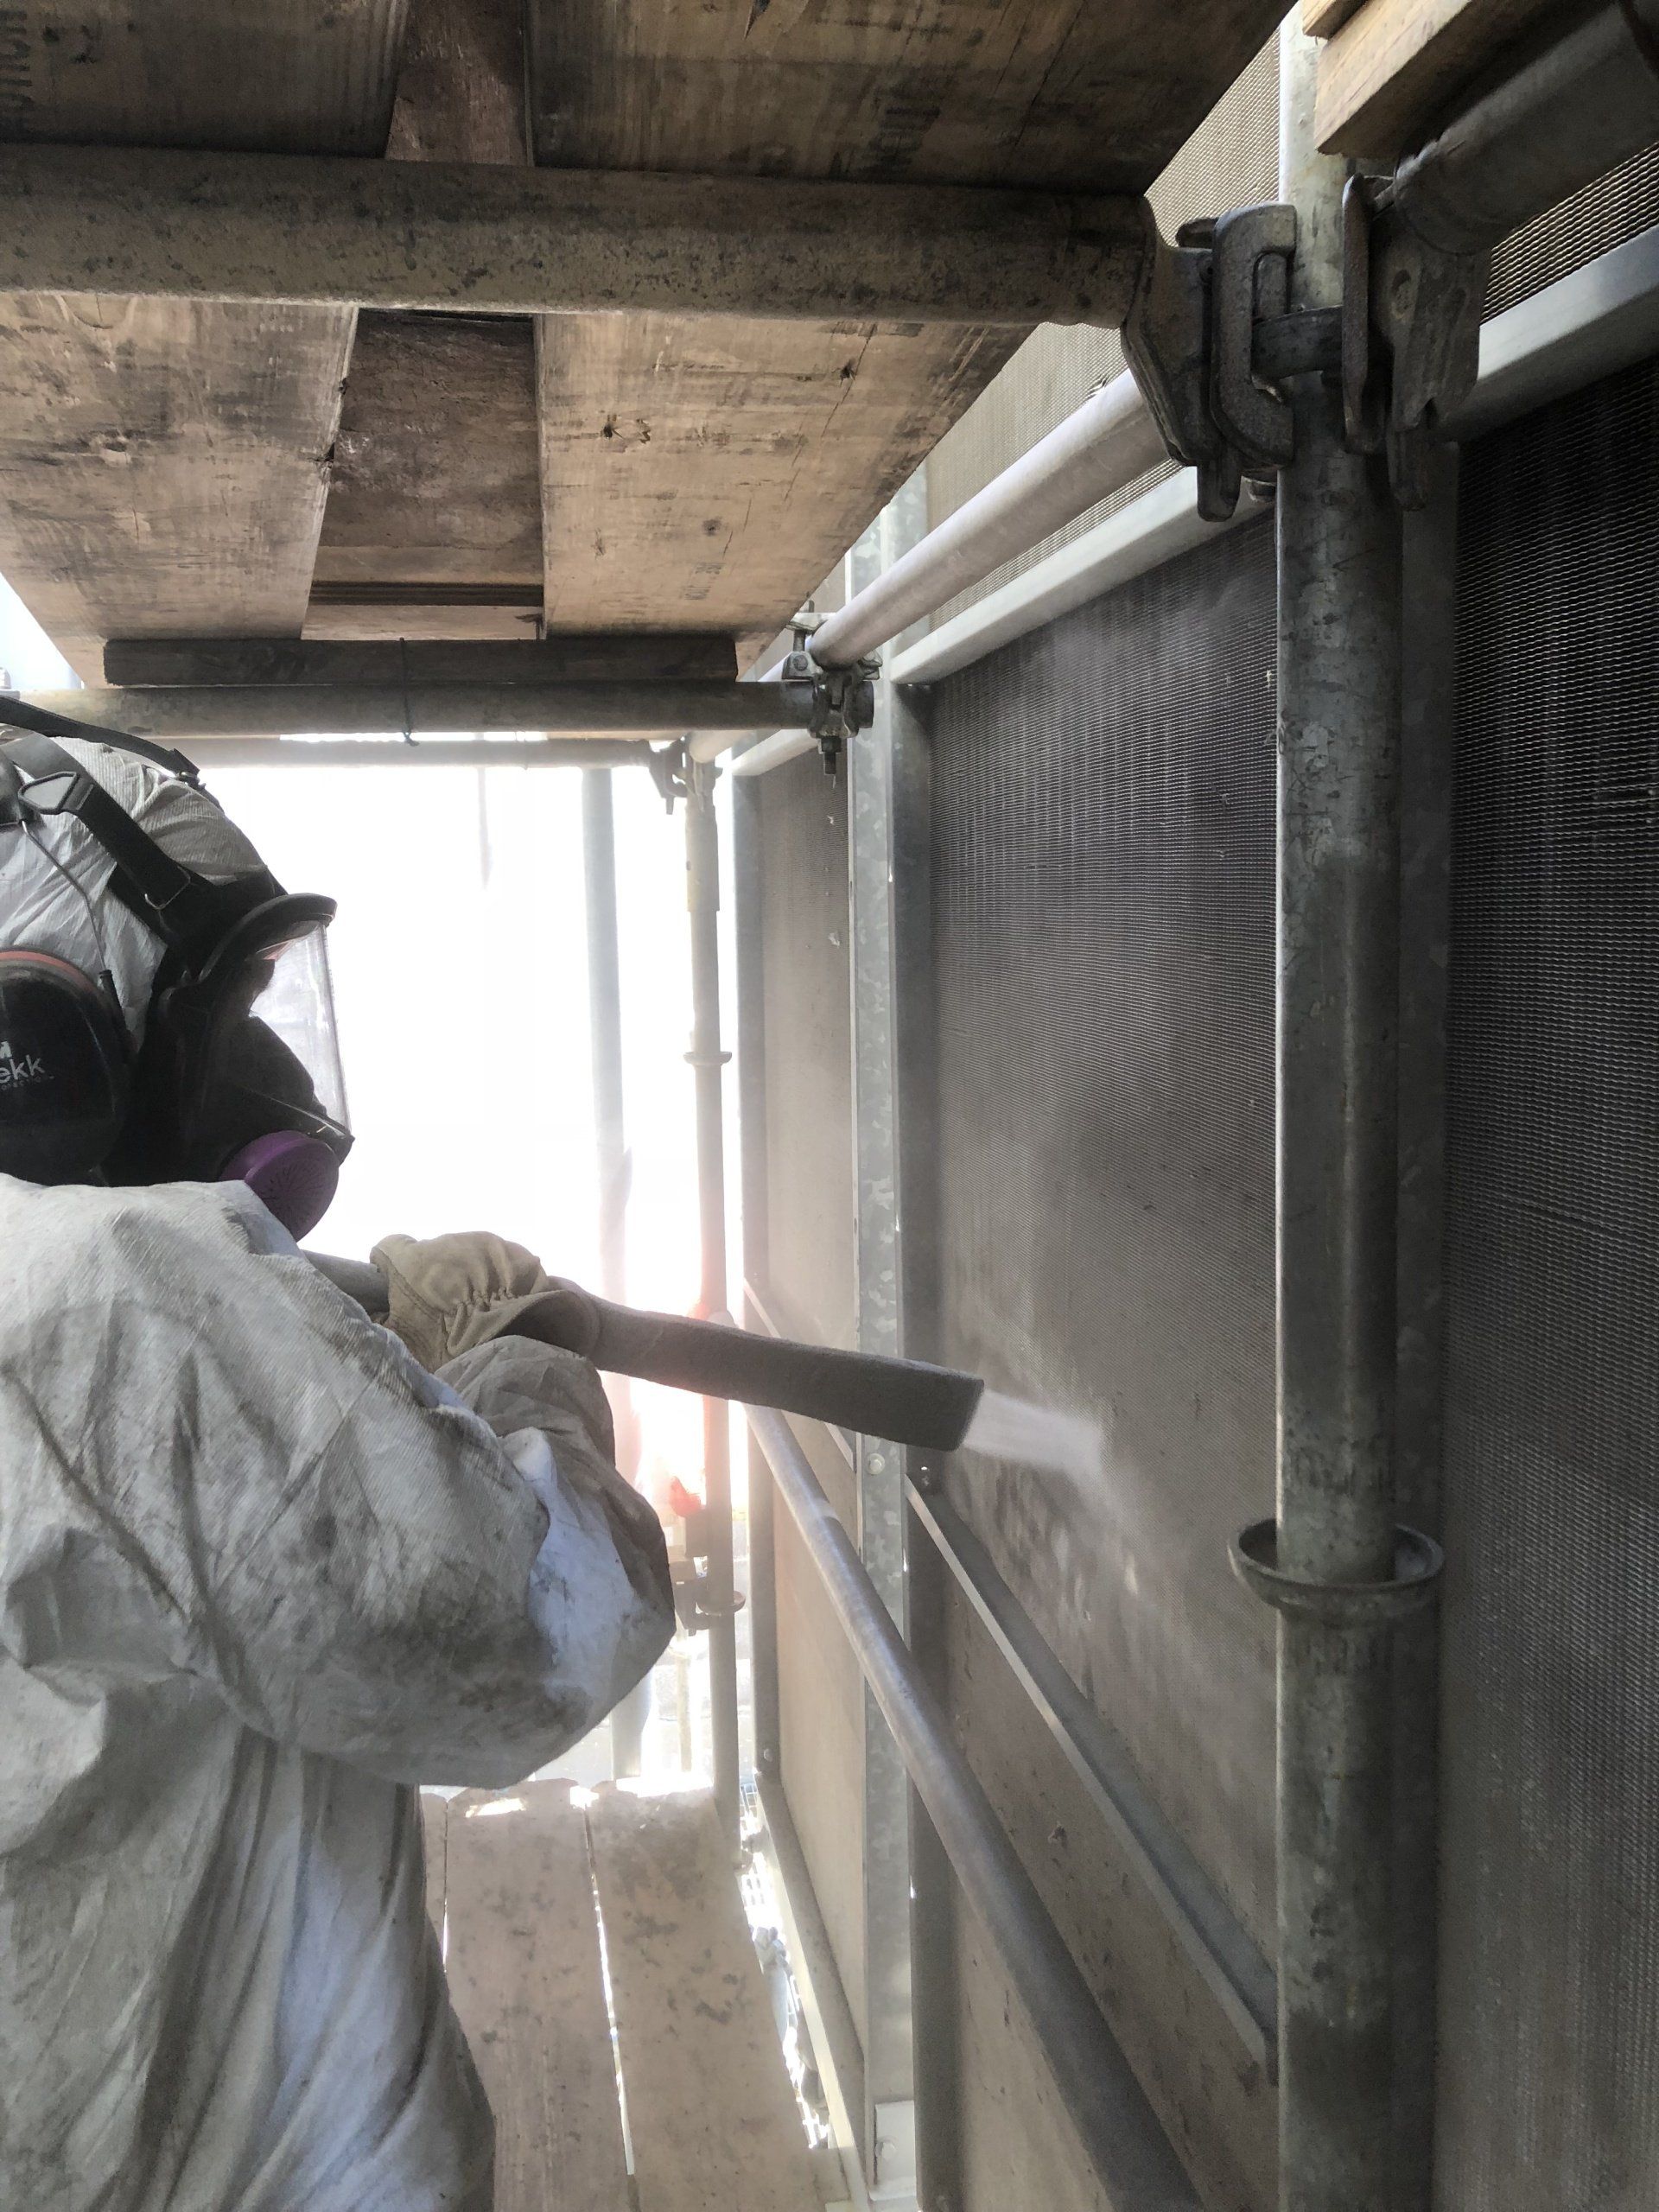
(182, 908)
(19, 714)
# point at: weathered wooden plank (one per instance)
(1390, 68)
(697, 470)
(1321, 17)
(460, 93)
(1018, 91)
(435, 478)
(435, 1824)
(710, 2112)
(525, 1978)
(414, 502)
(766, 458)
(162, 466)
(446, 611)
(574, 659)
(286, 74)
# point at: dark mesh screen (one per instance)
(1550, 1965)
(802, 846)
(1103, 873)
(1570, 235)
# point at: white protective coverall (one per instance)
(260, 1574)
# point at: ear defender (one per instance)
(66, 1075)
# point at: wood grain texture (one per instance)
(460, 93)
(163, 464)
(435, 478)
(713, 473)
(1321, 17)
(523, 1963)
(1062, 92)
(1389, 71)
(711, 2114)
(286, 76)
(707, 472)
(358, 612)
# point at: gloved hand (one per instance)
(449, 1293)
(450, 1299)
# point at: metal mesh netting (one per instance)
(1603, 215)
(1550, 1967)
(1104, 908)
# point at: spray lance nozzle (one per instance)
(906, 1401)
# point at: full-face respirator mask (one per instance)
(238, 1077)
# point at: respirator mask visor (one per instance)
(248, 1054)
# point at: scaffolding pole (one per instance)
(718, 1599)
(611, 1150)
(1329, 1563)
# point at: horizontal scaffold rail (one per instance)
(643, 710)
(595, 656)
(1121, 2134)
(308, 229)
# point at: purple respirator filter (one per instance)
(294, 1176)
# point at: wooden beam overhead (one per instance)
(480, 238)
(648, 707)
(710, 472)
(162, 463)
(434, 480)
(1390, 68)
(285, 74)
(391, 612)
(1045, 93)
(572, 659)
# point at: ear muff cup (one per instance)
(66, 1077)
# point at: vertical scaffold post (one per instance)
(611, 1149)
(708, 1062)
(874, 766)
(1337, 961)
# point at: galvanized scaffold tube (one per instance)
(1330, 1563)
(611, 1155)
(708, 1061)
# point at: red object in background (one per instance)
(682, 1501)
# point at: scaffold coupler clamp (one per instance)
(1421, 303)
(670, 766)
(1213, 341)
(1190, 337)
(838, 702)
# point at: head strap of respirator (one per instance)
(237, 1078)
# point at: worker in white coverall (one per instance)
(264, 1567)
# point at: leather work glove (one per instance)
(447, 1294)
